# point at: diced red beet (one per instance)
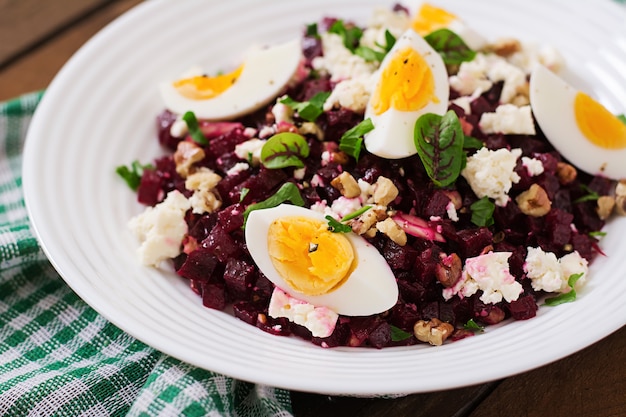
(473, 241)
(231, 218)
(340, 337)
(239, 277)
(246, 311)
(225, 143)
(523, 308)
(277, 326)
(164, 122)
(199, 265)
(261, 184)
(150, 190)
(221, 244)
(380, 336)
(214, 295)
(399, 257)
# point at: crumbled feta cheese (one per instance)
(532, 55)
(551, 274)
(509, 120)
(237, 168)
(282, 112)
(317, 181)
(464, 103)
(513, 77)
(489, 273)
(352, 94)
(320, 321)
(266, 132)
(299, 173)
(249, 132)
(451, 210)
(161, 229)
(250, 151)
(492, 173)
(179, 128)
(339, 61)
(471, 79)
(344, 206)
(533, 166)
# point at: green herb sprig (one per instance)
(351, 141)
(287, 192)
(566, 297)
(132, 174)
(482, 212)
(283, 150)
(308, 110)
(194, 128)
(450, 46)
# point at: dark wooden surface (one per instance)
(37, 37)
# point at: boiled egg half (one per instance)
(263, 75)
(296, 251)
(412, 80)
(584, 131)
(429, 18)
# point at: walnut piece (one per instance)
(433, 331)
(605, 206)
(566, 173)
(393, 230)
(347, 185)
(506, 47)
(449, 269)
(310, 128)
(385, 191)
(187, 153)
(534, 201)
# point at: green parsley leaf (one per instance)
(439, 143)
(337, 227)
(450, 46)
(566, 297)
(283, 150)
(244, 192)
(597, 233)
(287, 192)
(372, 55)
(311, 30)
(622, 117)
(194, 128)
(590, 196)
(132, 175)
(351, 35)
(398, 335)
(308, 110)
(473, 326)
(355, 213)
(482, 212)
(351, 142)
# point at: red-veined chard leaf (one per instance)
(283, 150)
(439, 143)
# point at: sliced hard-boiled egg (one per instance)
(263, 75)
(429, 18)
(294, 249)
(579, 127)
(412, 80)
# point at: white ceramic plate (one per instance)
(99, 113)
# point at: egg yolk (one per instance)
(599, 125)
(310, 258)
(202, 87)
(430, 18)
(407, 84)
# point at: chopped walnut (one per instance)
(506, 46)
(187, 153)
(310, 128)
(347, 185)
(620, 198)
(620, 188)
(566, 173)
(204, 178)
(385, 191)
(605, 206)
(449, 269)
(433, 331)
(393, 230)
(202, 182)
(534, 201)
(364, 222)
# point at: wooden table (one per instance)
(37, 38)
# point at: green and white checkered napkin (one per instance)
(58, 357)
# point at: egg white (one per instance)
(392, 137)
(552, 103)
(265, 74)
(371, 287)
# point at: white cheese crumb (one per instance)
(471, 79)
(250, 151)
(489, 273)
(237, 168)
(533, 166)
(352, 94)
(492, 173)
(282, 112)
(514, 78)
(451, 210)
(339, 61)
(320, 321)
(509, 120)
(299, 173)
(161, 229)
(179, 128)
(551, 274)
